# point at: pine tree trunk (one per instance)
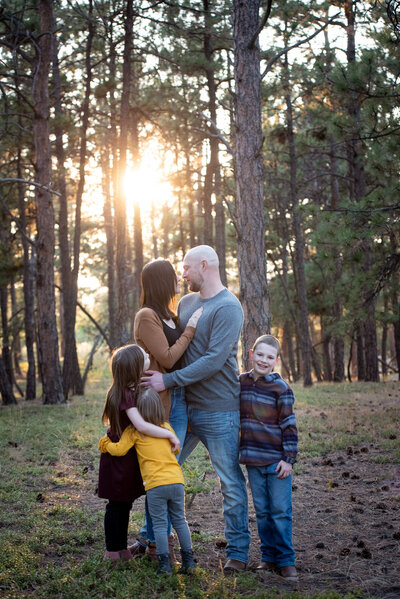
(137, 224)
(326, 340)
(249, 176)
(7, 395)
(337, 310)
(72, 379)
(28, 289)
(395, 306)
(360, 355)
(16, 341)
(110, 245)
(120, 203)
(5, 352)
(220, 240)
(384, 336)
(357, 183)
(109, 181)
(47, 325)
(213, 168)
(306, 347)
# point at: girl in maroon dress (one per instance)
(119, 477)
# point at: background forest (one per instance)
(134, 129)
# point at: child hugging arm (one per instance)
(153, 421)
(127, 366)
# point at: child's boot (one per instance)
(126, 555)
(163, 564)
(112, 556)
(188, 564)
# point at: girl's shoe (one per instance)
(126, 555)
(163, 564)
(111, 556)
(188, 564)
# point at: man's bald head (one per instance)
(203, 252)
(201, 270)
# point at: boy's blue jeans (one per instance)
(272, 498)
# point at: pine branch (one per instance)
(296, 45)
(15, 180)
(261, 26)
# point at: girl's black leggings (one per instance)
(116, 521)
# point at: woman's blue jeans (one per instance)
(272, 498)
(178, 417)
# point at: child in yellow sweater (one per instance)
(162, 479)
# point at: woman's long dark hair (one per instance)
(127, 364)
(159, 288)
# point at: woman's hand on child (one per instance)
(284, 469)
(193, 320)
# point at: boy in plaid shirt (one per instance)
(268, 447)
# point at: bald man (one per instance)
(210, 378)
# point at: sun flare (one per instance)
(145, 186)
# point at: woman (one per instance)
(157, 331)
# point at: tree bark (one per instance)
(249, 176)
(72, 379)
(120, 203)
(29, 291)
(357, 189)
(7, 395)
(299, 266)
(47, 325)
(5, 352)
(110, 244)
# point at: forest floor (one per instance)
(346, 516)
(346, 499)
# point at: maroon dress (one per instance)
(119, 477)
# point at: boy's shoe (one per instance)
(188, 564)
(267, 567)
(289, 573)
(138, 549)
(163, 564)
(234, 565)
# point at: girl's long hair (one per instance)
(127, 364)
(159, 280)
(150, 407)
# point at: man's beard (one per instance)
(194, 286)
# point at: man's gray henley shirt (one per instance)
(210, 372)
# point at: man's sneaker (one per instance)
(267, 567)
(234, 565)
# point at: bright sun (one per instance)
(145, 186)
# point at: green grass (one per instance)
(52, 540)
